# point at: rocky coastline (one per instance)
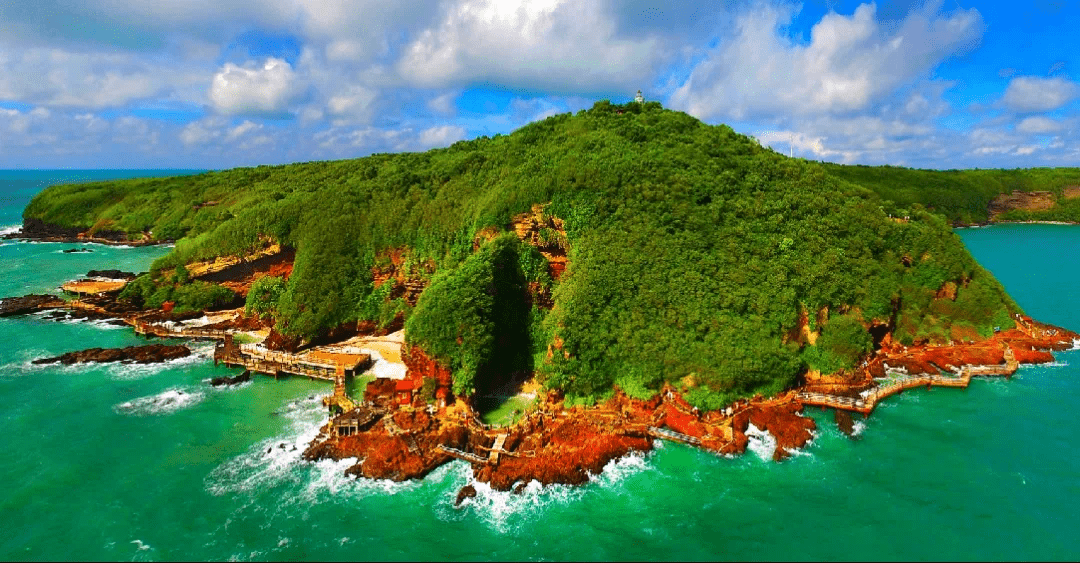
(556, 444)
(37, 230)
(402, 437)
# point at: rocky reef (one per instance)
(149, 354)
(36, 229)
(26, 304)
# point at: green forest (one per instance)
(692, 251)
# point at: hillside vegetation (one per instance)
(963, 196)
(695, 255)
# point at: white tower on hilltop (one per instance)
(639, 98)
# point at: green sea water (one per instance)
(151, 463)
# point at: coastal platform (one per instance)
(867, 401)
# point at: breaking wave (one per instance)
(506, 510)
(761, 442)
(279, 461)
(166, 402)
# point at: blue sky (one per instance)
(216, 84)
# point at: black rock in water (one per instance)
(73, 250)
(110, 274)
(844, 422)
(468, 491)
(235, 380)
(28, 304)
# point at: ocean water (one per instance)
(151, 463)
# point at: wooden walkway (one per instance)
(465, 456)
(493, 455)
(866, 403)
(274, 363)
(674, 436)
(151, 329)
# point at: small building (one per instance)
(441, 395)
(403, 392)
(347, 425)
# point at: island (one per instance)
(544, 302)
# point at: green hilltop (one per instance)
(691, 251)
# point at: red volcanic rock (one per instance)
(1025, 355)
(419, 366)
(955, 357)
(565, 450)
(784, 423)
(277, 341)
(913, 364)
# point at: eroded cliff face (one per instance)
(1023, 201)
(238, 274)
(547, 234)
(408, 276)
(419, 366)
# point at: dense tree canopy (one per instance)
(693, 251)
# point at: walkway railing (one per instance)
(672, 435)
(466, 456)
(869, 401)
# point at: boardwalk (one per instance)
(493, 455)
(262, 360)
(868, 401)
(162, 331)
(465, 456)
(665, 434)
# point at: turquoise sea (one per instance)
(151, 463)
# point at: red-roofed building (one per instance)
(403, 392)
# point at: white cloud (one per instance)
(1039, 124)
(255, 89)
(559, 45)
(850, 63)
(444, 104)
(353, 103)
(61, 78)
(241, 130)
(202, 132)
(441, 136)
(1032, 93)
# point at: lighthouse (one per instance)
(639, 98)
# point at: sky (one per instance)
(225, 83)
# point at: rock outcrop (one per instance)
(28, 304)
(111, 274)
(149, 354)
(234, 380)
(1024, 201)
(36, 229)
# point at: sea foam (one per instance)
(505, 511)
(166, 402)
(761, 442)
